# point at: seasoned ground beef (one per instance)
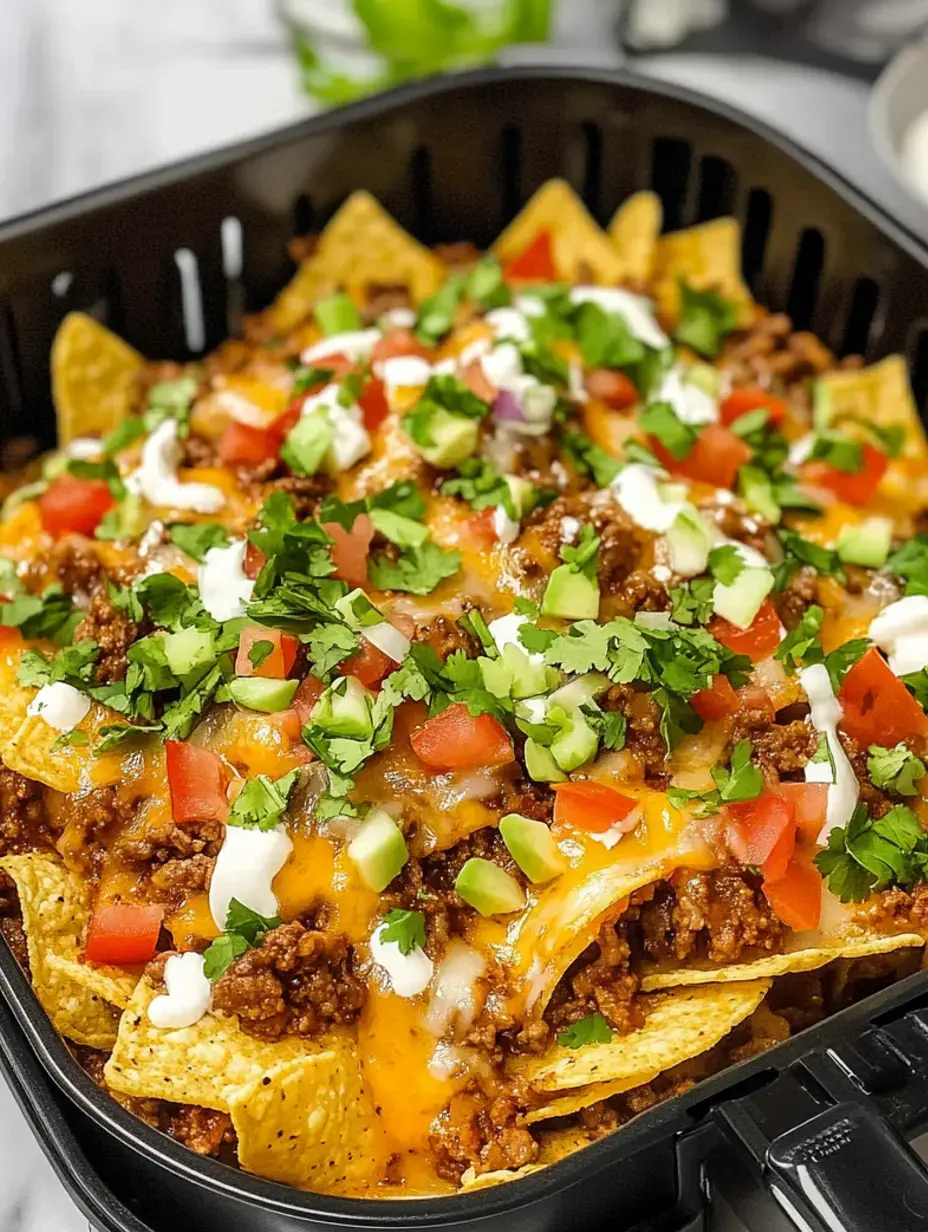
(642, 592)
(714, 915)
(74, 563)
(643, 737)
(24, 821)
(736, 521)
(897, 910)
(479, 1130)
(169, 841)
(381, 297)
(298, 980)
(878, 802)
(621, 546)
(781, 750)
(605, 985)
(770, 354)
(792, 603)
(445, 636)
(535, 800)
(306, 491)
(113, 631)
(92, 818)
(11, 921)
(199, 451)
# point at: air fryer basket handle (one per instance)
(851, 1170)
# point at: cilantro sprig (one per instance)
(593, 1029)
(245, 929)
(870, 854)
(405, 928)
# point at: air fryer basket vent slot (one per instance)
(591, 189)
(510, 172)
(861, 315)
(717, 188)
(758, 219)
(807, 273)
(671, 160)
(917, 354)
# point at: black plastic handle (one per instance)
(852, 1171)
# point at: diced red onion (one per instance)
(507, 408)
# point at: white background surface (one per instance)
(94, 90)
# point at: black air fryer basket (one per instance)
(816, 1128)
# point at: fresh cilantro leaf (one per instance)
(180, 716)
(116, 735)
(583, 556)
(171, 400)
(438, 311)
(263, 801)
(221, 953)
(169, 602)
(418, 570)
(259, 652)
(308, 379)
(705, 319)
(480, 484)
(870, 854)
(726, 563)
(743, 781)
(443, 393)
(102, 468)
(328, 646)
(526, 607)
(692, 604)
(75, 665)
(895, 769)
(247, 923)
(485, 285)
(405, 928)
(36, 615)
(404, 532)
(678, 718)
(535, 640)
(403, 498)
(122, 436)
(244, 930)
(840, 660)
(797, 552)
(838, 450)
(911, 562)
(801, 646)
(590, 459)
(605, 339)
(661, 420)
(196, 540)
(590, 1030)
(70, 739)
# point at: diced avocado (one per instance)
(580, 692)
(379, 850)
(454, 438)
(575, 743)
(344, 709)
(541, 765)
(187, 649)
(54, 464)
(488, 888)
(740, 602)
(521, 492)
(689, 541)
(570, 595)
(528, 678)
(497, 677)
(259, 693)
(867, 544)
(308, 442)
(337, 315)
(531, 844)
(706, 378)
(822, 409)
(357, 611)
(757, 490)
(670, 493)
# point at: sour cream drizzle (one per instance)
(156, 477)
(825, 713)
(247, 864)
(188, 993)
(901, 629)
(409, 973)
(224, 588)
(60, 705)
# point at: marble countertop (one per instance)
(99, 90)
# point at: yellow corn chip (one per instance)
(14, 697)
(79, 998)
(707, 256)
(678, 1025)
(879, 395)
(360, 246)
(309, 1122)
(471, 1182)
(95, 378)
(635, 230)
(31, 752)
(581, 249)
(781, 964)
(203, 1064)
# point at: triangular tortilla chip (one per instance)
(95, 378)
(706, 257)
(581, 249)
(361, 245)
(678, 1025)
(880, 395)
(79, 998)
(33, 751)
(634, 230)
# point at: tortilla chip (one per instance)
(678, 1025)
(95, 378)
(309, 1123)
(705, 256)
(31, 752)
(780, 964)
(361, 245)
(203, 1064)
(79, 998)
(14, 697)
(555, 1144)
(581, 249)
(880, 395)
(471, 1182)
(634, 230)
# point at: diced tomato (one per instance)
(715, 458)
(456, 740)
(9, 635)
(373, 403)
(243, 445)
(279, 660)
(759, 640)
(740, 401)
(753, 697)
(308, 693)
(855, 489)
(796, 896)
(878, 708)
(614, 388)
(761, 829)
(534, 264)
(197, 780)
(337, 363)
(254, 561)
(405, 624)
(397, 342)
(592, 806)
(75, 505)
(809, 802)
(123, 933)
(475, 379)
(715, 703)
(368, 665)
(350, 548)
(290, 725)
(478, 530)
